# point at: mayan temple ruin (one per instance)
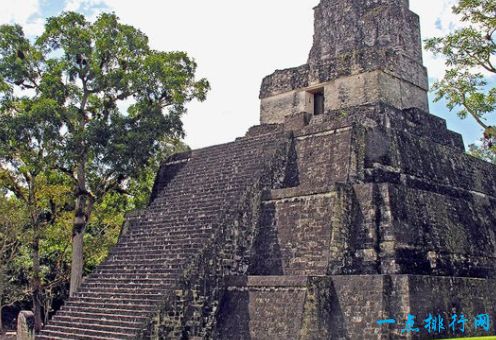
(348, 208)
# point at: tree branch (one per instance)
(472, 113)
(14, 186)
(66, 171)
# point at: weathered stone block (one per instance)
(363, 52)
(25, 325)
(338, 212)
(348, 307)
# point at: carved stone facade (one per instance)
(364, 52)
(312, 226)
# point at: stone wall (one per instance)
(370, 210)
(363, 52)
(348, 307)
(191, 309)
(262, 308)
(301, 235)
(415, 203)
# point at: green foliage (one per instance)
(469, 54)
(483, 152)
(102, 232)
(79, 72)
(13, 219)
(67, 147)
(32, 215)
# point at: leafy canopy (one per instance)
(62, 100)
(62, 97)
(470, 58)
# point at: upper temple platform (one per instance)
(364, 51)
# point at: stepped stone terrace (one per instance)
(349, 204)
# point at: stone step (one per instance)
(165, 274)
(193, 230)
(170, 266)
(145, 261)
(137, 269)
(140, 282)
(169, 255)
(110, 304)
(173, 209)
(171, 251)
(181, 223)
(83, 333)
(130, 249)
(106, 289)
(134, 274)
(166, 258)
(168, 237)
(133, 300)
(186, 224)
(167, 249)
(206, 187)
(118, 295)
(233, 174)
(96, 325)
(177, 218)
(109, 283)
(112, 322)
(180, 196)
(150, 265)
(148, 262)
(121, 287)
(175, 202)
(57, 336)
(166, 233)
(131, 267)
(167, 244)
(218, 159)
(132, 259)
(106, 310)
(115, 317)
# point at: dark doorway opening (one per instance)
(318, 102)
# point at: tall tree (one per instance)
(27, 138)
(12, 220)
(470, 60)
(81, 74)
(53, 192)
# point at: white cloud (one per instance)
(91, 8)
(436, 20)
(34, 27)
(436, 17)
(73, 5)
(25, 13)
(87, 6)
(237, 43)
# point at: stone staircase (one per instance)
(194, 194)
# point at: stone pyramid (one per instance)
(349, 213)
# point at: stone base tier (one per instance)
(353, 307)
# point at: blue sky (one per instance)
(235, 44)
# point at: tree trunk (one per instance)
(2, 290)
(77, 246)
(84, 206)
(36, 278)
(36, 282)
(2, 332)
